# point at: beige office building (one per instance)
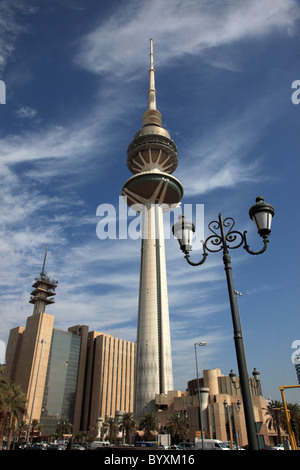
(27, 358)
(222, 411)
(28, 349)
(109, 378)
(76, 374)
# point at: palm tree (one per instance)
(63, 427)
(16, 405)
(110, 427)
(149, 424)
(275, 419)
(92, 433)
(4, 387)
(178, 427)
(22, 427)
(127, 425)
(35, 426)
(294, 412)
(12, 405)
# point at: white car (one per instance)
(282, 447)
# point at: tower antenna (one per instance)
(43, 269)
(152, 90)
(152, 116)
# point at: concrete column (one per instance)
(153, 358)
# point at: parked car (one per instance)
(21, 445)
(234, 445)
(285, 446)
(77, 447)
(186, 445)
(145, 444)
(211, 444)
(56, 447)
(96, 444)
(38, 446)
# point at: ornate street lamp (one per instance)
(255, 374)
(227, 408)
(224, 238)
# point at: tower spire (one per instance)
(43, 274)
(152, 90)
(152, 116)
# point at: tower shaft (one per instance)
(153, 367)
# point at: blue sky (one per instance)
(76, 76)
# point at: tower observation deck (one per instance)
(44, 290)
(152, 190)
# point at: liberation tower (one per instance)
(152, 158)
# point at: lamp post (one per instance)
(255, 373)
(183, 423)
(238, 407)
(201, 343)
(228, 238)
(227, 407)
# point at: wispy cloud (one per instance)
(192, 27)
(108, 49)
(26, 112)
(221, 156)
(10, 28)
(42, 202)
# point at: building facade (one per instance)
(221, 407)
(76, 375)
(28, 349)
(109, 378)
(61, 381)
(86, 376)
(297, 367)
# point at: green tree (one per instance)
(63, 427)
(294, 412)
(275, 417)
(178, 427)
(4, 387)
(22, 427)
(149, 424)
(127, 425)
(92, 433)
(111, 428)
(35, 427)
(12, 405)
(16, 406)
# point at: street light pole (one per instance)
(261, 213)
(201, 343)
(239, 347)
(227, 408)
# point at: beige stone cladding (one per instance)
(109, 377)
(28, 356)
